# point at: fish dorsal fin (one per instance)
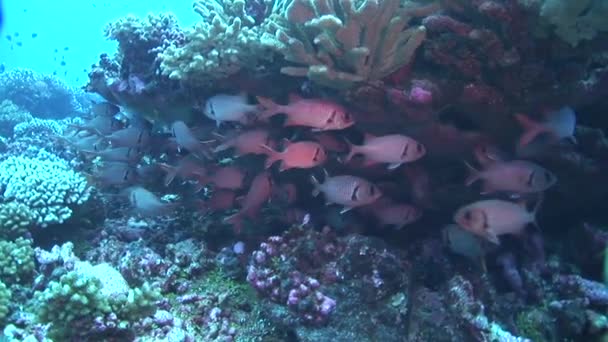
(367, 137)
(285, 143)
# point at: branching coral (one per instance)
(140, 40)
(11, 115)
(46, 185)
(344, 42)
(223, 43)
(90, 294)
(16, 261)
(15, 219)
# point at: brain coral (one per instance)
(45, 184)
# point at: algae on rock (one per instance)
(341, 43)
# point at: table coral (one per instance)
(346, 42)
(47, 185)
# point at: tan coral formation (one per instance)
(341, 43)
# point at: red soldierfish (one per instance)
(116, 173)
(230, 108)
(516, 176)
(321, 115)
(394, 149)
(130, 155)
(395, 214)
(487, 154)
(286, 193)
(248, 142)
(220, 200)
(130, 137)
(301, 154)
(186, 139)
(227, 177)
(187, 167)
(330, 142)
(259, 193)
(346, 190)
(492, 218)
(105, 109)
(558, 124)
(99, 125)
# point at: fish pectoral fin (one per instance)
(492, 237)
(393, 166)
(345, 210)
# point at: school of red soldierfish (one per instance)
(121, 143)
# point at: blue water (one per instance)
(45, 33)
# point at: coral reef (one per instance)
(572, 21)
(46, 185)
(11, 115)
(15, 220)
(93, 296)
(222, 44)
(16, 261)
(44, 96)
(345, 43)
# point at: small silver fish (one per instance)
(186, 139)
(229, 108)
(146, 203)
(492, 218)
(394, 149)
(346, 190)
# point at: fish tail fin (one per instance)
(473, 174)
(222, 147)
(531, 129)
(352, 151)
(171, 172)
(267, 108)
(539, 201)
(236, 221)
(272, 156)
(317, 186)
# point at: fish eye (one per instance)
(420, 148)
(347, 117)
(468, 215)
(372, 190)
(548, 176)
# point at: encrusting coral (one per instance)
(341, 43)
